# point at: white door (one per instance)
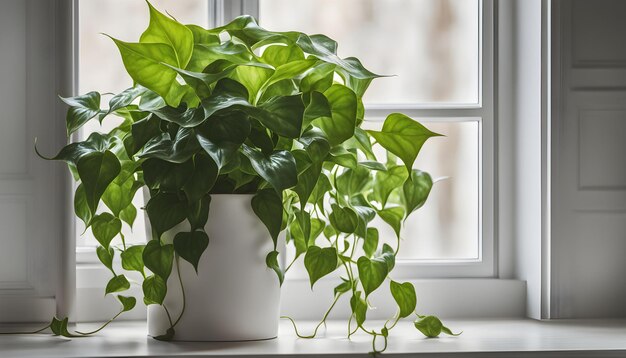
(589, 161)
(32, 209)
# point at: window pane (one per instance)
(431, 45)
(447, 226)
(101, 69)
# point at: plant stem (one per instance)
(31, 332)
(101, 327)
(182, 289)
(323, 321)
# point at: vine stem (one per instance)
(290, 264)
(101, 327)
(323, 321)
(31, 332)
(182, 289)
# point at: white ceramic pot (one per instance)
(234, 296)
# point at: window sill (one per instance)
(504, 338)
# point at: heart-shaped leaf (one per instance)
(105, 256)
(166, 210)
(393, 216)
(279, 168)
(82, 109)
(271, 260)
(201, 181)
(319, 262)
(343, 219)
(132, 258)
(96, 171)
(405, 297)
(268, 206)
(165, 30)
(403, 137)
(416, 190)
(431, 327)
(117, 284)
(105, 227)
(158, 258)
(128, 303)
(340, 126)
(388, 181)
(372, 273)
(191, 245)
(154, 290)
(371, 241)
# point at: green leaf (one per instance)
(403, 137)
(144, 130)
(343, 104)
(191, 245)
(388, 181)
(321, 188)
(393, 216)
(431, 327)
(118, 196)
(96, 171)
(319, 79)
(158, 258)
(271, 260)
(343, 287)
(82, 109)
(371, 241)
(175, 150)
(339, 155)
(372, 273)
(132, 258)
(416, 190)
(317, 107)
(105, 227)
(165, 30)
(388, 255)
(154, 290)
(277, 55)
(129, 214)
(281, 115)
(317, 227)
(405, 297)
(59, 327)
(359, 307)
(105, 256)
(203, 177)
(353, 182)
(128, 303)
(146, 63)
(117, 284)
(124, 99)
(319, 262)
(269, 208)
(343, 219)
(373, 165)
(198, 212)
(317, 151)
(166, 210)
(279, 168)
(72, 153)
(81, 209)
(160, 174)
(288, 71)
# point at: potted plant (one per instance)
(238, 134)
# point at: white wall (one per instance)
(31, 190)
(520, 85)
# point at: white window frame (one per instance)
(481, 276)
(482, 112)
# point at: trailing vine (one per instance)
(240, 109)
